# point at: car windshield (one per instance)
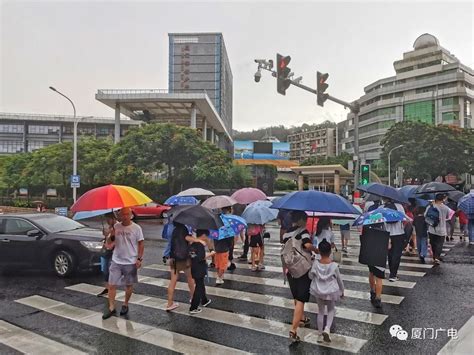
(55, 224)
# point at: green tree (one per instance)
(213, 167)
(429, 151)
(12, 171)
(96, 162)
(239, 176)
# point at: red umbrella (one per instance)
(248, 195)
(110, 197)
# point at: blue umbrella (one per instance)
(259, 212)
(466, 204)
(315, 201)
(383, 191)
(181, 200)
(233, 225)
(381, 215)
(89, 214)
(408, 191)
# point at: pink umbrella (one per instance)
(248, 195)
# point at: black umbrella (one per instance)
(383, 191)
(455, 195)
(197, 217)
(434, 188)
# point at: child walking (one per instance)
(327, 287)
(198, 256)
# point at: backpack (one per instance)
(296, 260)
(167, 232)
(179, 245)
(432, 216)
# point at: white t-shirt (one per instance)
(126, 243)
(325, 234)
(444, 212)
(395, 228)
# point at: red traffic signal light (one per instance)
(322, 87)
(283, 81)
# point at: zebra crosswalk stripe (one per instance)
(339, 342)
(277, 282)
(28, 342)
(138, 331)
(270, 300)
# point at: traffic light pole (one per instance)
(354, 107)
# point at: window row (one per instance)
(11, 146)
(11, 128)
(386, 111)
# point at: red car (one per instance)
(152, 209)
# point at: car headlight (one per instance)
(92, 245)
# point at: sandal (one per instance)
(305, 322)
(294, 337)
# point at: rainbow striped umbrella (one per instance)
(110, 197)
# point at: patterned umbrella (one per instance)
(109, 197)
(181, 200)
(466, 204)
(233, 225)
(381, 215)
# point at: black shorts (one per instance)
(300, 287)
(377, 272)
(256, 241)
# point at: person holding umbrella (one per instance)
(436, 217)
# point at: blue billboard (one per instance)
(261, 150)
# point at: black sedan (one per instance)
(44, 240)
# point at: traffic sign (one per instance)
(61, 211)
(75, 181)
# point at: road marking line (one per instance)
(270, 300)
(464, 343)
(278, 282)
(138, 331)
(29, 342)
(414, 265)
(339, 342)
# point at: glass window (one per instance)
(18, 226)
(56, 224)
(450, 116)
(403, 70)
(34, 145)
(425, 89)
(36, 129)
(423, 111)
(386, 111)
(371, 140)
(429, 64)
(11, 146)
(450, 101)
(11, 128)
(376, 126)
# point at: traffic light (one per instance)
(283, 71)
(322, 87)
(364, 174)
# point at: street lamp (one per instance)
(74, 154)
(389, 154)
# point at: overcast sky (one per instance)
(82, 46)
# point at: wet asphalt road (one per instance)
(440, 299)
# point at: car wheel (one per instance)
(63, 263)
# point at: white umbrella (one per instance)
(221, 201)
(196, 191)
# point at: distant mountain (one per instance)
(281, 132)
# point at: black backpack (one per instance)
(179, 245)
(432, 216)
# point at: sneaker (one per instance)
(231, 267)
(393, 279)
(261, 267)
(108, 313)
(254, 268)
(326, 336)
(104, 292)
(377, 303)
(195, 311)
(219, 281)
(447, 239)
(172, 307)
(320, 338)
(124, 310)
(206, 303)
(344, 250)
(165, 260)
(242, 257)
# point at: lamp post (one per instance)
(74, 154)
(389, 154)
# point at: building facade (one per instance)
(22, 132)
(198, 62)
(430, 86)
(313, 142)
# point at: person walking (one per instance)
(463, 223)
(297, 269)
(221, 257)
(107, 249)
(421, 230)
(179, 262)
(327, 287)
(436, 216)
(345, 236)
(255, 232)
(284, 220)
(232, 266)
(324, 232)
(127, 258)
(198, 256)
(397, 240)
